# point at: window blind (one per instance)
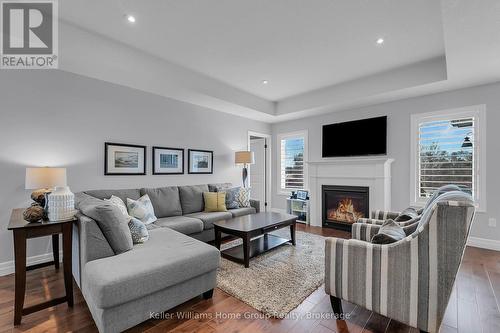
(292, 163)
(446, 155)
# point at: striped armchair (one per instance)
(366, 228)
(410, 280)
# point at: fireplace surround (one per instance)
(342, 205)
(373, 172)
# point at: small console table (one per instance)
(299, 208)
(24, 230)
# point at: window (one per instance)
(292, 158)
(447, 149)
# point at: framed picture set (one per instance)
(124, 159)
(302, 194)
(168, 161)
(200, 161)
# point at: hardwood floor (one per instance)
(474, 306)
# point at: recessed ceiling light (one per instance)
(265, 82)
(380, 41)
(131, 18)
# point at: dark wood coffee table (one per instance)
(249, 227)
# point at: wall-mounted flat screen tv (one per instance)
(356, 138)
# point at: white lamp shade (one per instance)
(45, 178)
(244, 157)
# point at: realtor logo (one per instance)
(29, 34)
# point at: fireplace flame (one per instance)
(344, 212)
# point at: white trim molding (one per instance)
(478, 112)
(484, 243)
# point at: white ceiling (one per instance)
(316, 54)
(297, 45)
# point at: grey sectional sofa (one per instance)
(173, 266)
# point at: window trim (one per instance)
(281, 136)
(476, 111)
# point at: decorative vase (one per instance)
(60, 204)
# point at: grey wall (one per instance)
(54, 118)
(399, 143)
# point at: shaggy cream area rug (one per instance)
(277, 281)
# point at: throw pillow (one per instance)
(215, 201)
(114, 226)
(406, 215)
(232, 198)
(138, 230)
(389, 232)
(244, 197)
(114, 200)
(141, 209)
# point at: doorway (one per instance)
(260, 171)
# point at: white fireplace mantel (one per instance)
(374, 173)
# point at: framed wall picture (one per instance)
(168, 161)
(123, 159)
(200, 161)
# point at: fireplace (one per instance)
(344, 205)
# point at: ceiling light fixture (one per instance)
(131, 18)
(380, 41)
(265, 82)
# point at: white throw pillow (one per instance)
(142, 209)
(114, 200)
(244, 197)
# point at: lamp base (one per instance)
(61, 204)
(245, 176)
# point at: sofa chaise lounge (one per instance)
(173, 266)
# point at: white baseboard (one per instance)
(8, 267)
(484, 243)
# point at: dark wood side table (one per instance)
(24, 230)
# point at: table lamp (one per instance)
(51, 192)
(245, 158)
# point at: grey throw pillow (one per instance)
(114, 226)
(139, 231)
(232, 198)
(406, 215)
(390, 232)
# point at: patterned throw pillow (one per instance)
(139, 232)
(142, 209)
(244, 197)
(232, 197)
(114, 200)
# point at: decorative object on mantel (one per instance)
(124, 159)
(245, 158)
(200, 161)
